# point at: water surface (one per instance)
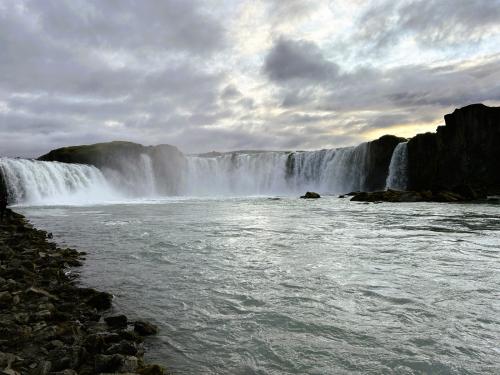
(289, 286)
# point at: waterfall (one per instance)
(398, 169)
(229, 174)
(39, 182)
(330, 171)
(236, 174)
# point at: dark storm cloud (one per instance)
(433, 23)
(291, 60)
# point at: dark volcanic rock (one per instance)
(311, 195)
(464, 152)
(414, 196)
(118, 321)
(48, 324)
(145, 329)
(126, 157)
(100, 300)
(378, 158)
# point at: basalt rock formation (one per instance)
(464, 152)
(379, 154)
(461, 194)
(49, 324)
(165, 161)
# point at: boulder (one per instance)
(118, 321)
(100, 301)
(409, 196)
(145, 328)
(152, 370)
(310, 195)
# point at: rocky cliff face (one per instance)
(378, 158)
(466, 151)
(165, 162)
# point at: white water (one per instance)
(37, 182)
(329, 286)
(237, 174)
(398, 169)
(233, 174)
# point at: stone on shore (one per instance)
(118, 321)
(50, 325)
(145, 329)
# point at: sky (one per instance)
(239, 74)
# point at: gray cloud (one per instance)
(165, 72)
(433, 23)
(401, 95)
(290, 60)
(290, 10)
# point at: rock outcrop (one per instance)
(378, 158)
(125, 158)
(466, 151)
(50, 325)
(462, 194)
(310, 195)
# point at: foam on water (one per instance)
(227, 175)
(258, 286)
(33, 182)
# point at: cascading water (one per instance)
(39, 182)
(231, 174)
(330, 171)
(236, 174)
(398, 169)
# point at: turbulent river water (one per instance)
(261, 286)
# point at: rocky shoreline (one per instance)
(51, 325)
(457, 195)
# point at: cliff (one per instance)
(378, 158)
(164, 161)
(465, 151)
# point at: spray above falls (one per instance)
(123, 170)
(37, 182)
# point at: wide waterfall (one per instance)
(37, 182)
(326, 171)
(236, 174)
(398, 169)
(229, 174)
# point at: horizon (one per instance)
(264, 75)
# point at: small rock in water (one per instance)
(311, 195)
(145, 329)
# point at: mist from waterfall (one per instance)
(37, 182)
(332, 171)
(398, 168)
(263, 173)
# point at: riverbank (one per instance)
(51, 325)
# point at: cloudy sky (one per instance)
(239, 74)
